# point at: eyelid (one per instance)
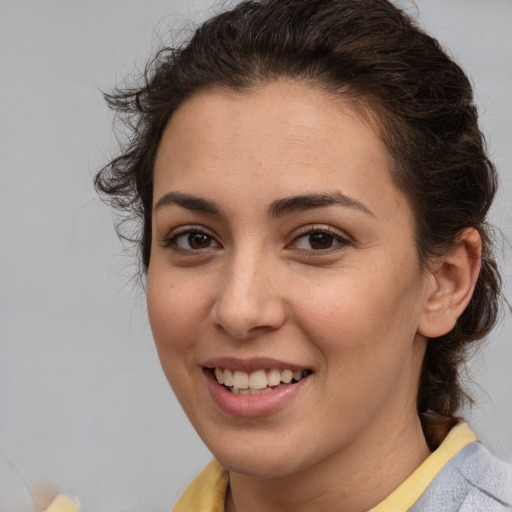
(310, 229)
(168, 240)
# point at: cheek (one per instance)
(365, 337)
(363, 312)
(174, 313)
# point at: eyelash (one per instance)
(172, 240)
(338, 242)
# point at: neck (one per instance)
(356, 479)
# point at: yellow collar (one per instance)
(207, 492)
(407, 493)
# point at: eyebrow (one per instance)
(189, 202)
(289, 205)
(278, 208)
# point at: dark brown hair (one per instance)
(374, 55)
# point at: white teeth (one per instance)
(241, 380)
(219, 375)
(228, 377)
(258, 382)
(286, 376)
(274, 377)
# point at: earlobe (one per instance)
(450, 285)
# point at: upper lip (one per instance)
(251, 364)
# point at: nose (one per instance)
(249, 301)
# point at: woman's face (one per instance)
(282, 250)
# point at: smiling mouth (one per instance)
(258, 382)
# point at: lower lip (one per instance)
(248, 406)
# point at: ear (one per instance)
(450, 284)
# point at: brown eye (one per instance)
(192, 240)
(321, 241)
(198, 240)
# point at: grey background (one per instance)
(83, 403)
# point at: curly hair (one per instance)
(374, 55)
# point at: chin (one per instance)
(260, 459)
(259, 466)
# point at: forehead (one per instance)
(281, 138)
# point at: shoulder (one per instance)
(489, 477)
(473, 481)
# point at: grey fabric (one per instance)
(473, 481)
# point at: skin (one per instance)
(356, 313)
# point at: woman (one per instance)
(313, 190)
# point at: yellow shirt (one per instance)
(207, 492)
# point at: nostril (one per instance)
(247, 316)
